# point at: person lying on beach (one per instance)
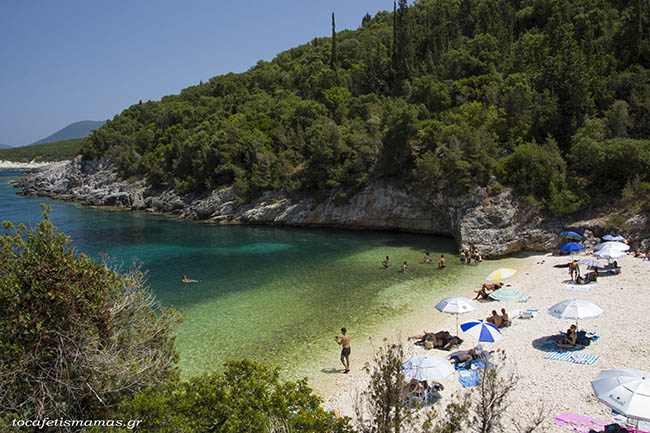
(495, 319)
(439, 340)
(188, 280)
(486, 289)
(412, 388)
(461, 357)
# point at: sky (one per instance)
(64, 61)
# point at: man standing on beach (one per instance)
(344, 341)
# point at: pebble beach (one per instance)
(558, 386)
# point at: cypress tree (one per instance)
(333, 58)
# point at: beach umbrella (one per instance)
(572, 234)
(610, 252)
(456, 305)
(613, 238)
(625, 390)
(482, 330)
(501, 274)
(575, 309)
(571, 247)
(591, 263)
(612, 245)
(507, 294)
(427, 367)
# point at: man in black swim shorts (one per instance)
(344, 341)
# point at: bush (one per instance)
(246, 397)
(77, 337)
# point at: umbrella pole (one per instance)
(456, 325)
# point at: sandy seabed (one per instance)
(558, 386)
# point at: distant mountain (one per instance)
(5, 146)
(74, 130)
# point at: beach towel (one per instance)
(584, 288)
(578, 423)
(468, 378)
(572, 356)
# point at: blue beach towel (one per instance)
(468, 378)
(572, 356)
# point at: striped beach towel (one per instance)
(575, 357)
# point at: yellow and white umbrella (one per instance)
(501, 274)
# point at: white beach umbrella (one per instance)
(625, 390)
(616, 246)
(456, 305)
(575, 309)
(501, 274)
(427, 367)
(608, 253)
(613, 238)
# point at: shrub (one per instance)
(76, 336)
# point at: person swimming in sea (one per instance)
(188, 280)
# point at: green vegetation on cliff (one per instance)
(57, 151)
(548, 96)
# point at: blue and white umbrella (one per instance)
(482, 331)
(571, 247)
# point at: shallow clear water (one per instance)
(275, 295)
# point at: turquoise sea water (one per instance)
(275, 295)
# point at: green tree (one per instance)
(76, 336)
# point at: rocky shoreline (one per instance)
(496, 225)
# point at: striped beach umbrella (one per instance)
(482, 331)
(507, 294)
(501, 274)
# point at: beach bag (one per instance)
(526, 315)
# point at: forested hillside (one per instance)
(551, 97)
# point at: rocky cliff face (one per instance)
(496, 225)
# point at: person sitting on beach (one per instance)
(404, 266)
(412, 388)
(385, 262)
(570, 339)
(592, 276)
(505, 320)
(495, 319)
(427, 259)
(188, 280)
(486, 289)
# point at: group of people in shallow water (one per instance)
(442, 263)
